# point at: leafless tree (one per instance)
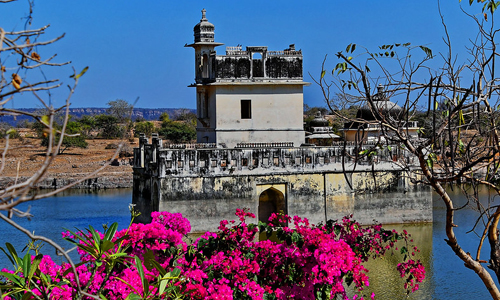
(461, 104)
(19, 58)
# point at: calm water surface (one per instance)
(71, 209)
(447, 278)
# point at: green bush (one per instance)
(108, 127)
(145, 127)
(178, 132)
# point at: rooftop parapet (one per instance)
(257, 62)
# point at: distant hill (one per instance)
(148, 114)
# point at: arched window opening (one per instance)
(204, 66)
(271, 201)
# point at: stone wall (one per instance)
(207, 185)
(318, 196)
(95, 183)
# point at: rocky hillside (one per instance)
(144, 113)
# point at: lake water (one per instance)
(447, 278)
(71, 209)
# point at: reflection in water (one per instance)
(447, 278)
(385, 281)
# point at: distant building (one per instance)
(367, 128)
(246, 96)
(321, 132)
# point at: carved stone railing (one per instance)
(235, 50)
(285, 53)
(191, 146)
(265, 145)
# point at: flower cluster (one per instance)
(414, 272)
(153, 261)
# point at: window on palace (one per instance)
(246, 109)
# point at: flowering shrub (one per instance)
(153, 261)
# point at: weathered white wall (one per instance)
(277, 113)
(318, 196)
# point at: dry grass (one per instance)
(26, 155)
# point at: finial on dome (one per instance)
(203, 15)
(380, 88)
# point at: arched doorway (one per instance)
(271, 201)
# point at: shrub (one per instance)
(178, 132)
(153, 261)
(145, 127)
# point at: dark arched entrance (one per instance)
(271, 201)
(155, 205)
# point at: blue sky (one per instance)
(136, 48)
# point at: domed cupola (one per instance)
(204, 31)
(319, 121)
(382, 105)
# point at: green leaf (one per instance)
(12, 277)
(323, 73)
(353, 48)
(140, 270)
(95, 236)
(427, 51)
(106, 246)
(132, 296)
(461, 146)
(34, 265)
(26, 264)
(80, 74)
(176, 272)
(110, 233)
(367, 69)
(163, 285)
(429, 163)
(295, 237)
(202, 243)
(45, 120)
(363, 152)
(13, 252)
(348, 48)
(8, 256)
